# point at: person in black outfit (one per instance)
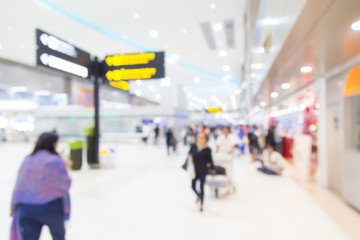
(170, 141)
(200, 156)
(270, 138)
(156, 131)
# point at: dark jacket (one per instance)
(202, 159)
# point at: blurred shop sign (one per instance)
(134, 66)
(214, 110)
(54, 53)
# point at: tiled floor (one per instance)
(148, 196)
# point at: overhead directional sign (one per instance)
(214, 110)
(58, 54)
(123, 85)
(134, 66)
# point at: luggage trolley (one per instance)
(223, 174)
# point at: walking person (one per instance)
(254, 145)
(170, 141)
(41, 194)
(200, 156)
(156, 132)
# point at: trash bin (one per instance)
(76, 148)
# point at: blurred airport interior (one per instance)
(129, 85)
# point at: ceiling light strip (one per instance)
(125, 39)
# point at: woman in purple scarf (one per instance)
(41, 194)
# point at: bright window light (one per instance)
(274, 95)
(17, 89)
(42, 93)
(233, 102)
(356, 26)
(285, 86)
(306, 69)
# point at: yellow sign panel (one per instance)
(123, 85)
(130, 74)
(214, 110)
(130, 59)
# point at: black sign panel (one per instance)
(58, 54)
(134, 66)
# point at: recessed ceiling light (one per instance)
(261, 50)
(226, 68)
(257, 66)
(217, 27)
(151, 87)
(285, 86)
(136, 15)
(196, 79)
(274, 95)
(263, 104)
(153, 34)
(138, 82)
(227, 77)
(223, 53)
(213, 6)
(356, 26)
(306, 69)
(138, 92)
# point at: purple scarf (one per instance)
(42, 178)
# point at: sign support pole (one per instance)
(96, 109)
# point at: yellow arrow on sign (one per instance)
(130, 74)
(130, 59)
(214, 110)
(121, 85)
(109, 61)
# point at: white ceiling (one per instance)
(109, 27)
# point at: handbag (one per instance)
(191, 170)
(184, 166)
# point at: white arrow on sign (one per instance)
(44, 39)
(44, 58)
(64, 65)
